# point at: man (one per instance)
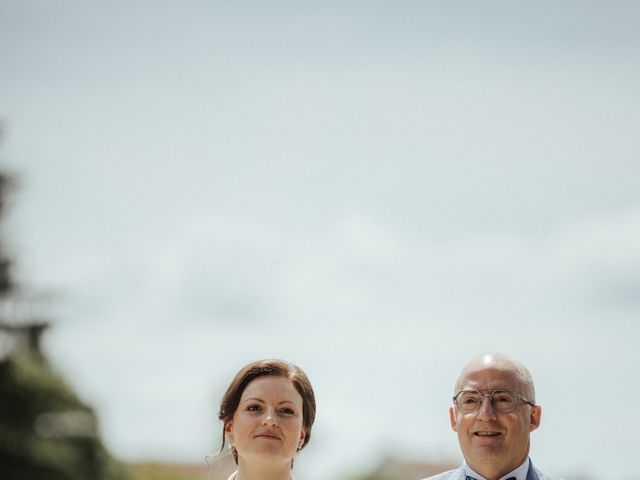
(493, 412)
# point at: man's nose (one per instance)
(269, 419)
(486, 411)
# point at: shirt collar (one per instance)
(520, 473)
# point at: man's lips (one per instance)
(487, 434)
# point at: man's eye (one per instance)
(470, 400)
(503, 398)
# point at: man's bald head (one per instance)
(494, 437)
(499, 361)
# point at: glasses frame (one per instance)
(489, 393)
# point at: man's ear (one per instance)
(535, 417)
(454, 420)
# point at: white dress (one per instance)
(235, 474)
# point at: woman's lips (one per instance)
(270, 436)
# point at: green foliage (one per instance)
(46, 432)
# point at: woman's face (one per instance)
(267, 424)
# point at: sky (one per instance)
(374, 191)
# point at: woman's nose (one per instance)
(269, 419)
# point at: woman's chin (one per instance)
(268, 455)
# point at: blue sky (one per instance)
(375, 192)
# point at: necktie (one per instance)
(471, 478)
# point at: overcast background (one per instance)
(376, 191)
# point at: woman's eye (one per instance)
(253, 408)
(287, 411)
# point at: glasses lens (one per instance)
(504, 401)
(468, 402)
(501, 401)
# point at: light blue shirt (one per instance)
(520, 473)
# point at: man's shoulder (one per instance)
(458, 474)
(455, 474)
(544, 476)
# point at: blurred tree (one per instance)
(46, 431)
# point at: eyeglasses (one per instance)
(502, 401)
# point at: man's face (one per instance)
(494, 444)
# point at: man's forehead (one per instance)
(489, 377)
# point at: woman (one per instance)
(267, 413)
